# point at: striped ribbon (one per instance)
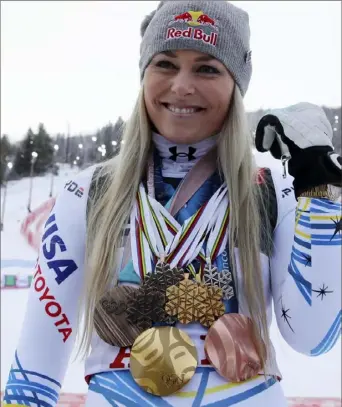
(217, 239)
(157, 236)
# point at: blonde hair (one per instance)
(115, 197)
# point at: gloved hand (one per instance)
(303, 135)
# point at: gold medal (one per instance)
(192, 302)
(182, 301)
(163, 360)
(110, 317)
(214, 307)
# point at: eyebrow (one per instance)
(199, 59)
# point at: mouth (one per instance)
(183, 110)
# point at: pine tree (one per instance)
(61, 142)
(43, 145)
(5, 150)
(22, 162)
(108, 137)
(93, 154)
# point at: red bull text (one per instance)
(194, 33)
(194, 19)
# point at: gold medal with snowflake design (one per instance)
(193, 302)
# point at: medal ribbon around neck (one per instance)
(218, 235)
(170, 230)
(190, 237)
(141, 254)
(171, 223)
(147, 221)
(206, 213)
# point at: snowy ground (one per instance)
(303, 376)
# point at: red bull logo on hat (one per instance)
(194, 19)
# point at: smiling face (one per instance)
(187, 95)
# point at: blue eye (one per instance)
(208, 69)
(165, 64)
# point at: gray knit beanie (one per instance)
(213, 27)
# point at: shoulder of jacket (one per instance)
(77, 186)
(267, 189)
(98, 184)
(284, 191)
(69, 208)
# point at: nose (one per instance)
(182, 84)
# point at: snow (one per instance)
(303, 376)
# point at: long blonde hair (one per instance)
(115, 197)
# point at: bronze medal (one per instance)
(163, 360)
(164, 277)
(159, 281)
(110, 317)
(145, 307)
(231, 349)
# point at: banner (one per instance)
(13, 281)
(32, 226)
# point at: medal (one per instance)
(230, 348)
(184, 302)
(163, 360)
(164, 277)
(193, 302)
(222, 279)
(190, 301)
(145, 307)
(153, 233)
(213, 306)
(110, 317)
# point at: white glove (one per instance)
(303, 135)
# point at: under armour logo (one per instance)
(190, 154)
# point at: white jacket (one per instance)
(302, 279)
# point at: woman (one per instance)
(175, 249)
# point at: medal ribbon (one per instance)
(141, 253)
(171, 228)
(218, 236)
(198, 238)
(148, 224)
(171, 223)
(181, 248)
(192, 233)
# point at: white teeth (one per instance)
(177, 110)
